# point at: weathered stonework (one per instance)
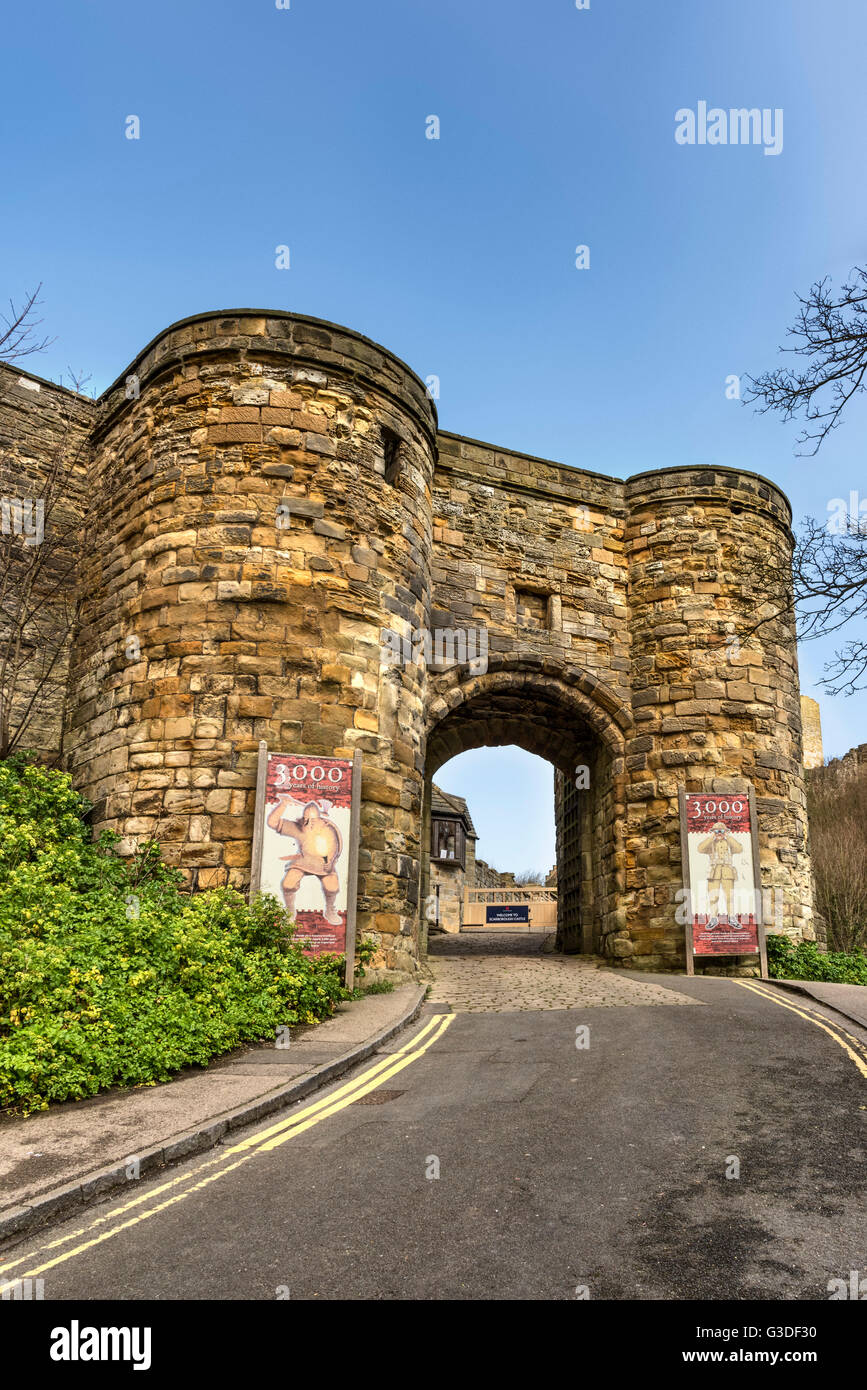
(45, 459)
(811, 724)
(268, 493)
(850, 765)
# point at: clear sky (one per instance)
(510, 794)
(306, 127)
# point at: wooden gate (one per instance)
(528, 908)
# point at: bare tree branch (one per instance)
(38, 565)
(18, 330)
(831, 331)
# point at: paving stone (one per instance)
(514, 971)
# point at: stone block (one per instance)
(234, 434)
(330, 529)
(303, 506)
(231, 827)
(740, 690)
(234, 589)
(319, 444)
(211, 878)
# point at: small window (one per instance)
(532, 608)
(391, 453)
(448, 842)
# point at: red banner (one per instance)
(722, 893)
(309, 779)
(702, 812)
(305, 845)
(736, 938)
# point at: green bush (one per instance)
(109, 975)
(790, 960)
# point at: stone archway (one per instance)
(565, 716)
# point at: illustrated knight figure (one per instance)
(720, 846)
(320, 846)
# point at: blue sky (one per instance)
(306, 127)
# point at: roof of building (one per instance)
(444, 804)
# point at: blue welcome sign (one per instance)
(506, 915)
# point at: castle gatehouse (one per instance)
(275, 541)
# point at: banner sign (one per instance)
(503, 915)
(305, 845)
(719, 841)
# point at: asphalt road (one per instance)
(560, 1169)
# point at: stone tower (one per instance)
(811, 721)
(715, 697)
(268, 487)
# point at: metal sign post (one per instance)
(757, 880)
(684, 859)
(259, 819)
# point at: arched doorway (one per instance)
(576, 724)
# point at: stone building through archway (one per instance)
(547, 714)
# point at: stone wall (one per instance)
(45, 460)
(533, 551)
(486, 877)
(271, 498)
(851, 764)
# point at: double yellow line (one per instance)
(261, 1142)
(852, 1046)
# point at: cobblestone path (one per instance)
(509, 971)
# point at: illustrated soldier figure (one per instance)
(320, 847)
(720, 847)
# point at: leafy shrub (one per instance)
(109, 975)
(379, 987)
(790, 960)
